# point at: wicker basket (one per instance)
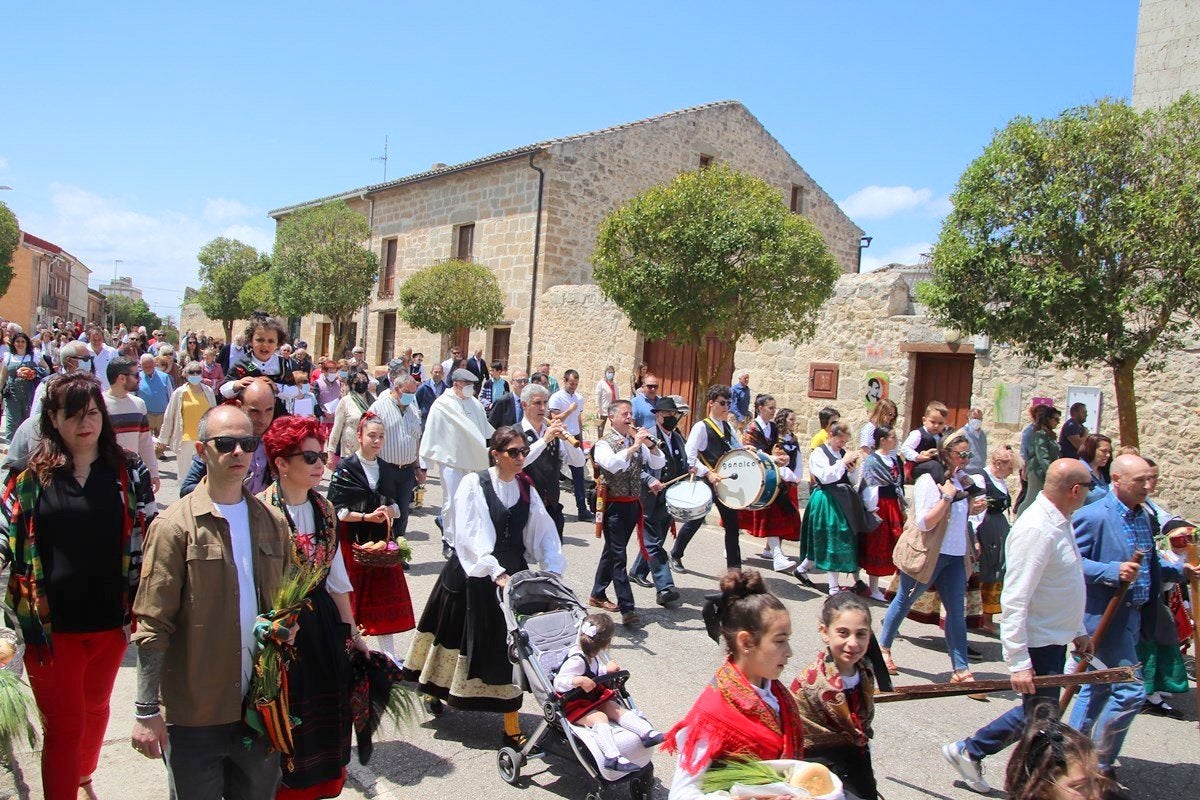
(387, 557)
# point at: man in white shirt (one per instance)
(567, 405)
(1043, 601)
(402, 435)
(101, 354)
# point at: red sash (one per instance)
(733, 720)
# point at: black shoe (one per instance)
(804, 579)
(587, 516)
(641, 580)
(668, 595)
(861, 589)
(974, 655)
(447, 550)
(676, 564)
(518, 743)
(1162, 709)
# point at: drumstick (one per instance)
(678, 478)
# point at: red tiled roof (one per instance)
(41, 244)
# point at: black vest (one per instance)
(931, 467)
(545, 470)
(509, 524)
(676, 462)
(717, 445)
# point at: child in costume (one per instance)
(263, 358)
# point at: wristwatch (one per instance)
(949, 498)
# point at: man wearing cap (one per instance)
(397, 408)
(72, 357)
(456, 435)
(360, 356)
(654, 504)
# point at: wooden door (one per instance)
(387, 337)
(943, 377)
(460, 339)
(322, 343)
(501, 338)
(676, 370)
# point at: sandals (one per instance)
(967, 677)
(887, 661)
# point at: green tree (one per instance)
(1077, 240)
(714, 252)
(226, 266)
(132, 312)
(442, 298)
(321, 266)
(258, 294)
(10, 236)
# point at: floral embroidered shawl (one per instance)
(831, 719)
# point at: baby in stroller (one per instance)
(596, 708)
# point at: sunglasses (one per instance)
(651, 385)
(226, 444)
(311, 457)
(963, 453)
(514, 452)
(721, 402)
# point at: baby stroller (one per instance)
(543, 618)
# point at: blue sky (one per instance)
(138, 131)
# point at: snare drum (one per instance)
(749, 480)
(689, 500)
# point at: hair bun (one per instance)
(739, 583)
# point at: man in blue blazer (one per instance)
(1108, 533)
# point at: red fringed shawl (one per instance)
(731, 717)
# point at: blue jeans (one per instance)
(950, 575)
(580, 496)
(1105, 711)
(1003, 731)
(658, 523)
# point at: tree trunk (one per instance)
(227, 325)
(707, 368)
(1126, 404)
(341, 335)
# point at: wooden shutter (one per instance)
(823, 380)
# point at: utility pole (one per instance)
(384, 157)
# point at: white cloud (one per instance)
(158, 248)
(903, 254)
(881, 202)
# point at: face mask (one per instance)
(343, 374)
(361, 387)
(304, 388)
(608, 376)
(670, 423)
(468, 391)
(194, 379)
(974, 424)
(408, 398)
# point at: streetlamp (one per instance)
(116, 261)
(863, 244)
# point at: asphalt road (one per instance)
(671, 659)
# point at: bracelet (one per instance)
(147, 716)
(949, 498)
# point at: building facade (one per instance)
(123, 287)
(77, 297)
(43, 276)
(532, 215)
(1167, 57)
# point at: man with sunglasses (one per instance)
(72, 357)
(644, 402)
(1043, 601)
(397, 408)
(213, 562)
(128, 414)
(258, 401)
(710, 439)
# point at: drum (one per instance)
(749, 480)
(689, 500)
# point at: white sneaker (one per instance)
(878, 595)
(970, 769)
(782, 563)
(766, 554)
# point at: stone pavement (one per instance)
(670, 659)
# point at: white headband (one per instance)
(588, 629)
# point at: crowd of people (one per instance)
(257, 426)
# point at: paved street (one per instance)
(670, 659)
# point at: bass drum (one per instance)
(689, 500)
(749, 480)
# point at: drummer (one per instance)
(654, 504)
(710, 439)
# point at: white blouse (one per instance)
(826, 471)
(870, 494)
(576, 664)
(927, 493)
(475, 536)
(338, 581)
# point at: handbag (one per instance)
(916, 551)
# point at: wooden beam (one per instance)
(963, 348)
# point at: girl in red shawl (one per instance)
(745, 710)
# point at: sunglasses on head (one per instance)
(311, 457)
(226, 444)
(514, 452)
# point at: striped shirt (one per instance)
(402, 429)
(132, 426)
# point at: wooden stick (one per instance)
(1193, 557)
(924, 691)
(1101, 629)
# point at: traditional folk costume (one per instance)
(708, 441)
(622, 478)
(836, 711)
(733, 717)
(277, 368)
(1163, 669)
(319, 678)
(543, 466)
(780, 521)
(991, 530)
(381, 602)
(834, 517)
(459, 653)
(882, 491)
(455, 438)
(654, 506)
(917, 442)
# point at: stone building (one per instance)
(1167, 56)
(41, 287)
(532, 213)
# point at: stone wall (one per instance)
(870, 317)
(192, 318)
(1167, 58)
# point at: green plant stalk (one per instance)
(17, 712)
(722, 776)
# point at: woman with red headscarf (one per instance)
(319, 678)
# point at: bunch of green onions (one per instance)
(17, 712)
(747, 771)
(292, 597)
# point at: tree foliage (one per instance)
(442, 298)
(714, 252)
(10, 237)
(226, 265)
(258, 294)
(1077, 240)
(131, 312)
(321, 266)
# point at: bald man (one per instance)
(1108, 533)
(1043, 601)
